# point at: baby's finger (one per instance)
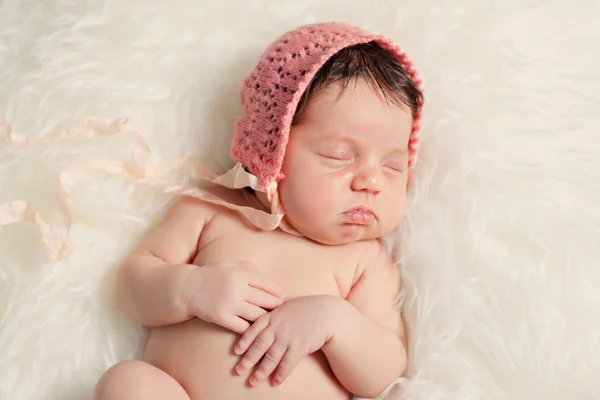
(289, 361)
(250, 312)
(263, 299)
(269, 363)
(250, 334)
(236, 324)
(258, 349)
(261, 281)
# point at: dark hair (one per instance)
(368, 61)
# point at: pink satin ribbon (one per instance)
(136, 169)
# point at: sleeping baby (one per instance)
(275, 284)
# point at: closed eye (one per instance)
(337, 157)
(336, 160)
(395, 166)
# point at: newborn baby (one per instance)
(306, 310)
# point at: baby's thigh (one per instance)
(135, 379)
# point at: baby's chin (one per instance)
(344, 234)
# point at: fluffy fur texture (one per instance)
(500, 248)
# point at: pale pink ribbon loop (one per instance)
(136, 169)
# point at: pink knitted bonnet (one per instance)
(272, 91)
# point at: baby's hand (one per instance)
(230, 294)
(286, 335)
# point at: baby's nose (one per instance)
(367, 180)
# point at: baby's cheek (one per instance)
(320, 210)
(316, 199)
(328, 197)
(395, 207)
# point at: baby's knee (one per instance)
(124, 380)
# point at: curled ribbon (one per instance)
(137, 169)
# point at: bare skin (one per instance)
(319, 305)
(212, 358)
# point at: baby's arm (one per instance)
(151, 278)
(368, 351)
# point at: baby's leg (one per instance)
(138, 380)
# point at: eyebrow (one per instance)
(403, 151)
(331, 137)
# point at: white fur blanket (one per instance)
(501, 247)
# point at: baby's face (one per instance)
(346, 165)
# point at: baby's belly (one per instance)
(199, 356)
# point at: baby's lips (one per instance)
(360, 216)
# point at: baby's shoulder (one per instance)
(215, 198)
(375, 254)
(234, 196)
(364, 254)
(226, 204)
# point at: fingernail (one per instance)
(237, 349)
(253, 380)
(239, 369)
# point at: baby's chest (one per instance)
(306, 273)
(300, 267)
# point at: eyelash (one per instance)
(396, 167)
(338, 156)
(339, 159)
